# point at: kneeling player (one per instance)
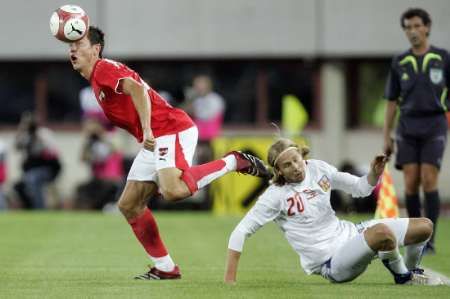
(299, 202)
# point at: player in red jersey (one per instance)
(169, 139)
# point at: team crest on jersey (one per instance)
(163, 151)
(324, 183)
(436, 75)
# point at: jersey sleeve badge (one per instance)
(324, 183)
(436, 75)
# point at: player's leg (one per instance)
(349, 261)
(417, 236)
(178, 179)
(384, 237)
(411, 176)
(429, 177)
(139, 188)
(418, 233)
(408, 159)
(133, 205)
(413, 234)
(173, 155)
(177, 184)
(432, 202)
(431, 157)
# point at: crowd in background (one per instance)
(108, 165)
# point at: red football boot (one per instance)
(249, 164)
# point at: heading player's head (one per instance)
(416, 23)
(86, 51)
(286, 158)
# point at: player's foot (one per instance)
(249, 164)
(155, 274)
(418, 271)
(422, 279)
(403, 278)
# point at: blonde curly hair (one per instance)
(276, 149)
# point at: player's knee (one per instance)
(426, 228)
(412, 184)
(429, 175)
(129, 208)
(124, 205)
(385, 238)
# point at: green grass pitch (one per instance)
(90, 255)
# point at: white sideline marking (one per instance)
(444, 278)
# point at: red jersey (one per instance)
(119, 107)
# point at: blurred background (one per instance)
(316, 68)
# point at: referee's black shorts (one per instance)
(416, 150)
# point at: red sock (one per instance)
(146, 230)
(194, 174)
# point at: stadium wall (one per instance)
(206, 28)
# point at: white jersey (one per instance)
(303, 212)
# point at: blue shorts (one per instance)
(429, 150)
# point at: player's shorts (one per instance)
(352, 258)
(176, 150)
(398, 226)
(421, 139)
(429, 150)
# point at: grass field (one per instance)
(89, 255)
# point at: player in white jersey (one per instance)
(298, 200)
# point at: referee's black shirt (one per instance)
(420, 83)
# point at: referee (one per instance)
(418, 84)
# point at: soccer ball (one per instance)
(69, 23)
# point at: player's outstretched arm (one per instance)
(266, 209)
(232, 266)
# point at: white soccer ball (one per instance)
(69, 23)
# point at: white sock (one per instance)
(164, 263)
(413, 255)
(395, 261)
(230, 161)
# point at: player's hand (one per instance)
(232, 266)
(376, 168)
(149, 141)
(230, 282)
(388, 147)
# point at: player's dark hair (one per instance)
(416, 12)
(275, 150)
(97, 37)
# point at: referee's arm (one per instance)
(389, 117)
